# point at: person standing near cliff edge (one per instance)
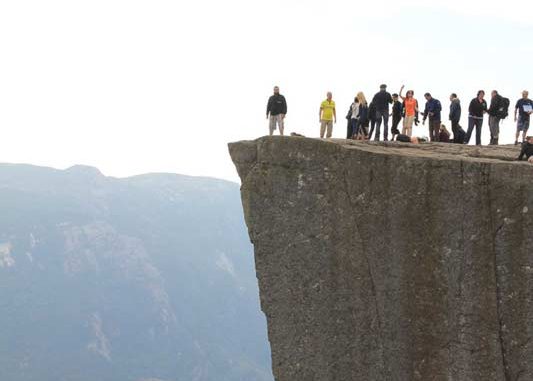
(455, 117)
(410, 107)
(381, 101)
(276, 111)
(432, 110)
(327, 116)
(524, 108)
(476, 111)
(496, 104)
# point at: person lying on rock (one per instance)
(410, 139)
(527, 149)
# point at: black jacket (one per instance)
(527, 151)
(455, 110)
(276, 105)
(397, 108)
(372, 112)
(495, 104)
(476, 108)
(382, 100)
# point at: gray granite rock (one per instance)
(391, 261)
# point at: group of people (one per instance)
(365, 120)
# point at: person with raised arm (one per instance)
(410, 107)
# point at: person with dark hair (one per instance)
(494, 117)
(444, 134)
(476, 110)
(372, 118)
(410, 110)
(524, 108)
(455, 117)
(276, 111)
(527, 149)
(353, 118)
(432, 110)
(381, 101)
(396, 115)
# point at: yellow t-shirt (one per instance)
(327, 109)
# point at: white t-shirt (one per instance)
(355, 110)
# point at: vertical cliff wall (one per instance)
(391, 261)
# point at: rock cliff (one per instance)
(391, 261)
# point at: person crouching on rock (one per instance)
(527, 150)
(444, 134)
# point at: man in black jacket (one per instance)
(494, 117)
(455, 117)
(476, 111)
(381, 101)
(527, 149)
(276, 111)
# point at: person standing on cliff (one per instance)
(455, 117)
(410, 107)
(276, 111)
(381, 101)
(327, 116)
(432, 110)
(397, 109)
(494, 116)
(476, 111)
(524, 108)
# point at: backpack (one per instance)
(503, 110)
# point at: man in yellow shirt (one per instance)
(327, 115)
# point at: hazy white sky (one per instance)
(151, 86)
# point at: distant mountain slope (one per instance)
(145, 278)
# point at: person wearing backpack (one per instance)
(524, 108)
(432, 110)
(495, 112)
(353, 119)
(476, 111)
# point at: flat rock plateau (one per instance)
(391, 261)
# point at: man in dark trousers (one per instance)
(455, 117)
(432, 110)
(527, 149)
(381, 101)
(276, 111)
(476, 111)
(494, 117)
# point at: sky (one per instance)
(135, 86)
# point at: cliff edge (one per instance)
(391, 261)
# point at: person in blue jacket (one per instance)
(432, 110)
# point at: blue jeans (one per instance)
(379, 116)
(474, 122)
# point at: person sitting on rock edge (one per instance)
(527, 149)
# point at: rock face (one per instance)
(391, 261)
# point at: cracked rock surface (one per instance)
(391, 261)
